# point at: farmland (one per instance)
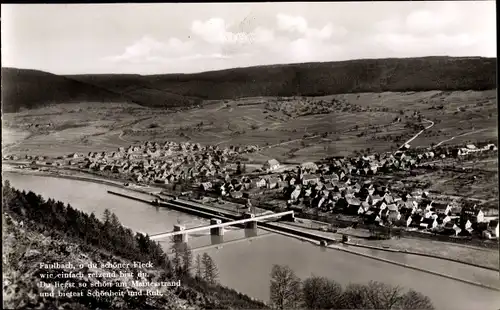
(361, 121)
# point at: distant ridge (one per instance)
(30, 88)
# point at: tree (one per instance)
(415, 300)
(177, 259)
(187, 258)
(211, 272)
(106, 217)
(285, 287)
(115, 223)
(199, 268)
(321, 293)
(374, 295)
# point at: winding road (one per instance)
(461, 135)
(419, 133)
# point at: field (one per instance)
(367, 121)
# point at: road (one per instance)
(291, 141)
(419, 133)
(461, 135)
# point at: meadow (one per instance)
(367, 123)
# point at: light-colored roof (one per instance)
(272, 162)
(309, 165)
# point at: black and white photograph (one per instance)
(266, 155)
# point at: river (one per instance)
(245, 264)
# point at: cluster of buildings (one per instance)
(329, 187)
(167, 163)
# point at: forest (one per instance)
(112, 240)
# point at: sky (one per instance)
(187, 38)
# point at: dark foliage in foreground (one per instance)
(111, 238)
(289, 292)
(30, 88)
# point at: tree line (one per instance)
(58, 220)
(289, 292)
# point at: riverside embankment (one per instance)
(319, 239)
(245, 265)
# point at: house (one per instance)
(374, 199)
(472, 214)
(405, 220)
(342, 204)
(282, 184)
(295, 194)
(236, 194)
(258, 183)
(466, 225)
(428, 223)
(365, 205)
(371, 217)
(354, 206)
(271, 165)
(442, 219)
(392, 216)
(272, 183)
(425, 204)
(408, 207)
(310, 179)
(309, 166)
(493, 228)
(415, 220)
(206, 186)
(388, 199)
(381, 205)
(441, 208)
(451, 228)
(328, 187)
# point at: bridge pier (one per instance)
(289, 217)
(217, 231)
(250, 224)
(181, 237)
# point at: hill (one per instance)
(326, 78)
(39, 234)
(138, 89)
(29, 88)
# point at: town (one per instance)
(360, 190)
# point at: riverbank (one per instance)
(479, 257)
(31, 240)
(483, 257)
(81, 176)
(245, 266)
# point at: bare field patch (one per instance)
(247, 121)
(11, 136)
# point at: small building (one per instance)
(493, 228)
(272, 183)
(441, 208)
(451, 228)
(309, 166)
(428, 223)
(271, 165)
(258, 183)
(236, 194)
(206, 186)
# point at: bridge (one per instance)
(216, 226)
